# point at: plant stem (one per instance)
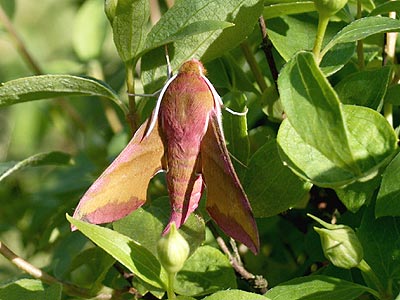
(360, 43)
(370, 274)
(39, 274)
(95, 70)
(323, 21)
(254, 66)
(170, 288)
(266, 46)
(390, 58)
(19, 44)
(132, 116)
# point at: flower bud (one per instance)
(340, 244)
(173, 250)
(329, 7)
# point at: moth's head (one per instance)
(193, 66)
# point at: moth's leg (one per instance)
(169, 69)
(235, 112)
(155, 94)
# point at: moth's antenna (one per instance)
(169, 69)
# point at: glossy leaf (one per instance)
(280, 9)
(393, 95)
(205, 272)
(290, 34)
(207, 45)
(385, 8)
(361, 29)
(132, 255)
(366, 88)
(50, 86)
(372, 141)
(313, 109)
(30, 289)
(381, 242)
(146, 225)
(323, 141)
(263, 183)
(388, 197)
(235, 294)
(357, 194)
(317, 287)
(90, 267)
(157, 38)
(130, 27)
(40, 159)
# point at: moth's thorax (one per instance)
(193, 66)
(185, 108)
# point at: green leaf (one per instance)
(207, 45)
(372, 142)
(385, 8)
(90, 267)
(146, 224)
(131, 254)
(50, 86)
(313, 109)
(271, 104)
(235, 294)
(40, 159)
(392, 95)
(157, 38)
(263, 183)
(387, 202)
(9, 7)
(291, 34)
(355, 195)
(88, 36)
(361, 29)
(30, 289)
(337, 58)
(316, 287)
(130, 27)
(235, 130)
(208, 270)
(381, 242)
(326, 142)
(366, 88)
(280, 9)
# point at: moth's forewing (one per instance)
(227, 202)
(122, 187)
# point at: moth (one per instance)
(184, 138)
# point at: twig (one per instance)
(19, 43)
(257, 281)
(266, 46)
(41, 275)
